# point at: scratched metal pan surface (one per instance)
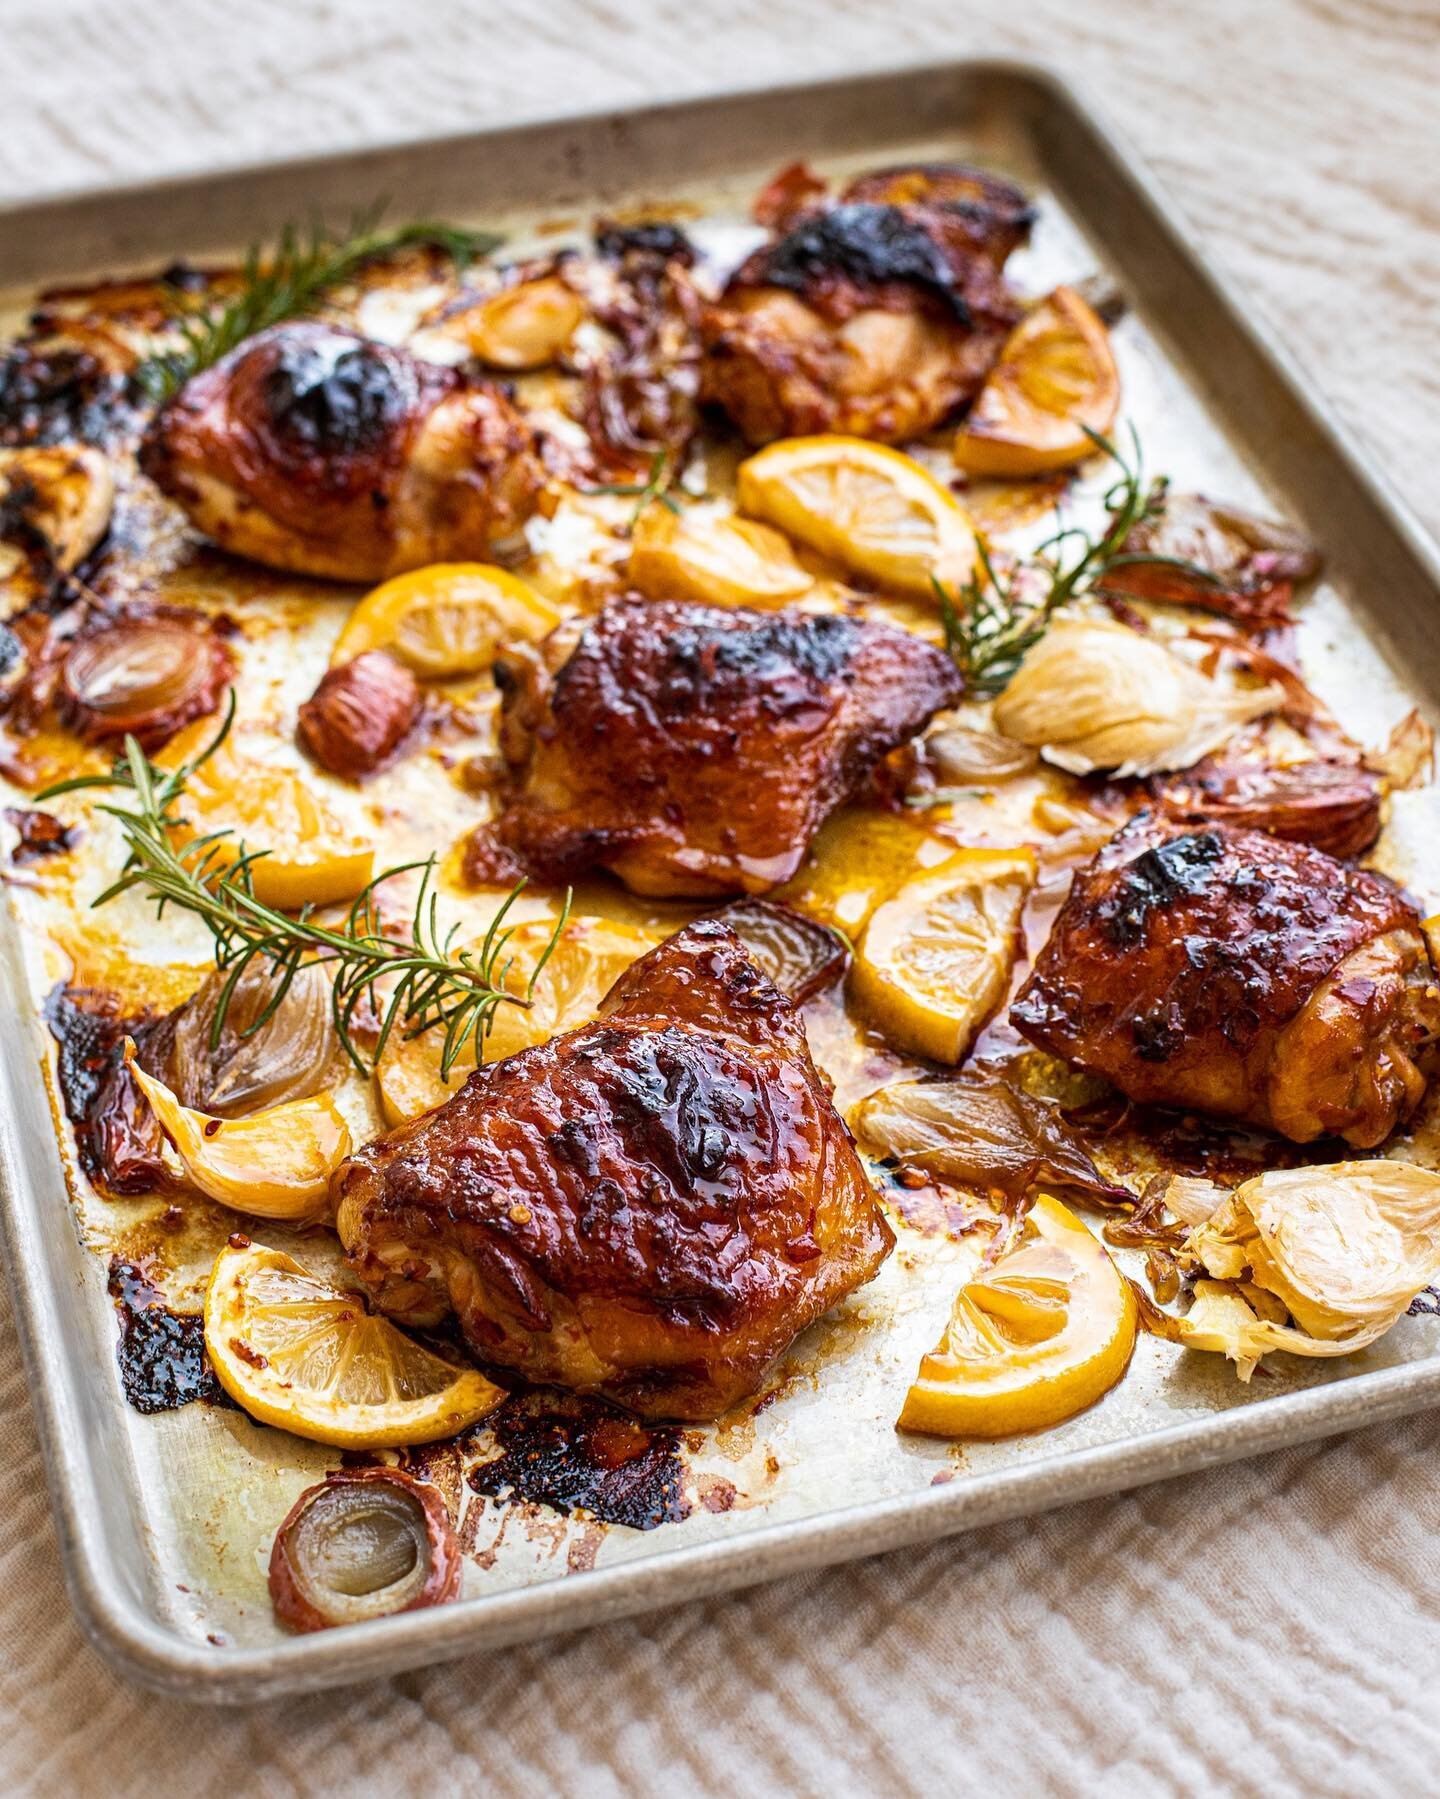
(164, 1523)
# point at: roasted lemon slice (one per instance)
(1032, 1340)
(1055, 379)
(718, 561)
(310, 858)
(275, 1163)
(447, 620)
(935, 959)
(589, 958)
(859, 857)
(301, 1354)
(874, 510)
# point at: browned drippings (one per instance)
(117, 1137)
(935, 1209)
(579, 1455)
(41, 835)
(161, 1351)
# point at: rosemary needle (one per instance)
(289, 282)
(990, 623)
(654, 488)
(430, 983)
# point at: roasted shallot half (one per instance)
(257, 1061)
(143, 674)
(980, 1130)
(1093, 695)
(800, 955)
(365, 1543)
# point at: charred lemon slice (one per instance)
(275, 1164)
(310, 857)
(1055, 379)
(308, 1357)
(935, 959)
(590, 956)
(1032, 1340)
(447, 620)
(872, 509)
(718, 561)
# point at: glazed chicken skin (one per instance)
(875, 317)
(1233, 973)
(650, 1208)
(695, 750)
(315, 451)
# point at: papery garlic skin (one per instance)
(1341, 1250)
(1093, 695)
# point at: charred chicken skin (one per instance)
(874, 317)
(1233, 973)
(316, 451)
(650, 1208)
(695, 750)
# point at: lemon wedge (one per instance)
(935, 959)
(872, 509)
(446, 620)
(1055, 379)
(273, 1164)
(1032, 1340)
(718, 561)
(294, 1351)
(310, 857)
(590, 956)
(859, 857)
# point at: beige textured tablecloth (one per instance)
(1265, 1628)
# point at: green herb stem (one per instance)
(992, 621)
(289, 282)
(429, 982)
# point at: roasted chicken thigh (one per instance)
(695, 750)
(650, 1207)
(874, 317)
(313, 450)
(1231, 972)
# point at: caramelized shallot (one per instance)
(143, 674)
(980, 1131)
(257, 1062)
(1252, 563)
(1333, 806)
(359, 715)
(800, 955)
(365, 1543)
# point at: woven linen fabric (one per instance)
(1265, 1628)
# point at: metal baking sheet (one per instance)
(164, 1522)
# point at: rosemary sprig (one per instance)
(992, 621)
(289, 282)
(429, 982)
(655, 488)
